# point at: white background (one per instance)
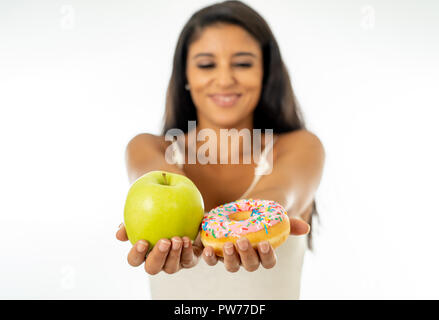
(78, 79)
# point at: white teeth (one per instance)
(226, 99)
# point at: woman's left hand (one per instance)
(242, 253)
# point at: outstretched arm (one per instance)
(295, 177)
(296, 174)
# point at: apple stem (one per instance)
(164, 177)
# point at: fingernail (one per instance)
(242, 244)
(176, 245)
(264, 247)
(228, 248)
(208, 253)
(307, 224)
(120, 226)
(186, 243)
(164, 246)
(140, 247)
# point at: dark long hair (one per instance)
(277, 108)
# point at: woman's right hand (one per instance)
(169, 255)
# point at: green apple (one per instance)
(160, 205)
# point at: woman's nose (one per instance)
(225, 77)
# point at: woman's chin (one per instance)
(224, 118)
(226, 123)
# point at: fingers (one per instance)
(209, 256)
(266, 254)
(137, 254)
(231, 257)
(157, 257)
(170, 256)
(248, 255)
(172, 263)
(167, 255)
(243, 254)
(188, 259)
(121, 234)
(298, 226)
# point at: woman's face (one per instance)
(224, 71)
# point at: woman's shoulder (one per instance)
(147, 141)
(145, 152)
(298, 134)
(150, 142)
(301, 138)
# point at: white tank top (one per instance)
(204, 282)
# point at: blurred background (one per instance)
(78, 79)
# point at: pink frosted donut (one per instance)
(256, 219)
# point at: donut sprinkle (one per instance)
(264, 214)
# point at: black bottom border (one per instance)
(220, 309)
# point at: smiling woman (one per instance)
(224, 70)
(228, 74)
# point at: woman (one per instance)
(228, 73)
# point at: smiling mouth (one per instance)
(225, 100)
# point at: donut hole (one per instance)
(240, 216)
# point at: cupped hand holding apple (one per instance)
(163, 212)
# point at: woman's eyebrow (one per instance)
(241, 53)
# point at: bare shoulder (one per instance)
(303, 139)
(145, 142)
(143, 148)
(145, 152)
